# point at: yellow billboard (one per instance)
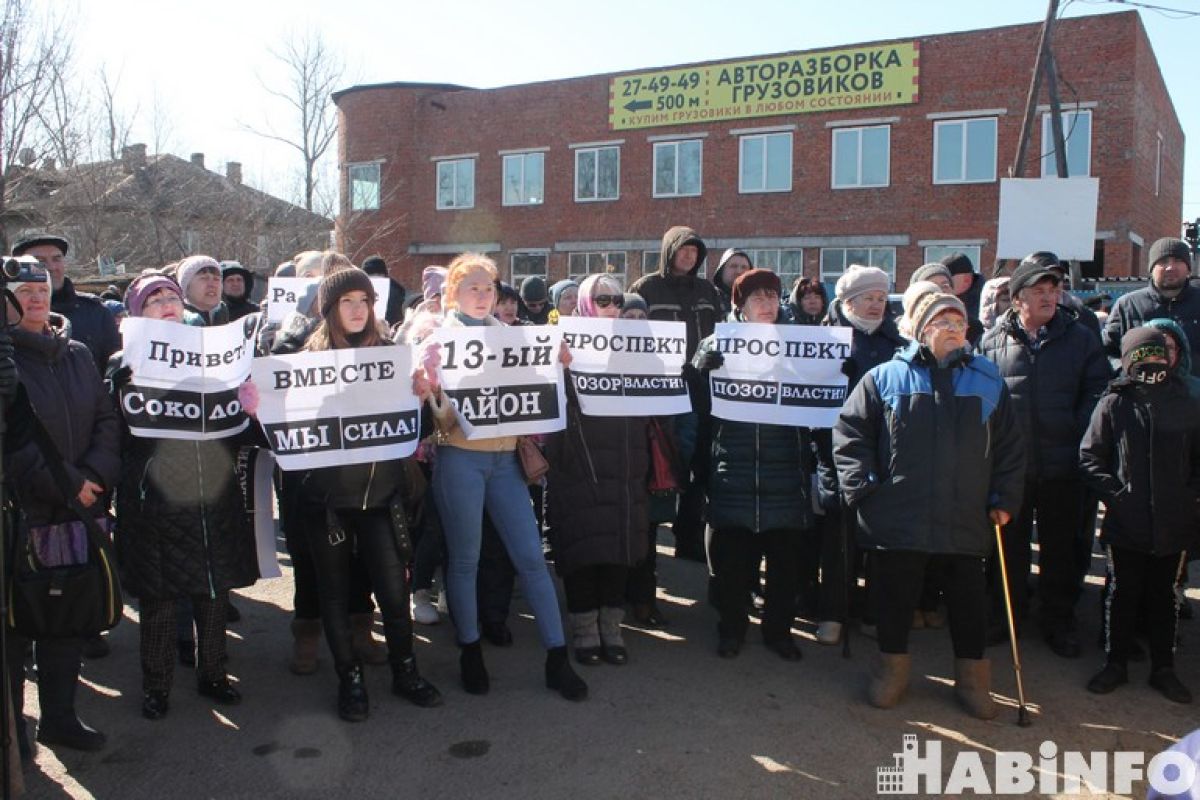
(797, 83)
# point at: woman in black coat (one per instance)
(182, 532)
(598, 472)
(64, 390)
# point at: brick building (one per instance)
(887, 153)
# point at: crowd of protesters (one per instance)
(974, 405)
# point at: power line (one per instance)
(1178, 13)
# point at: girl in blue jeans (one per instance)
(471, 476)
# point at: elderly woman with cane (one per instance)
(929, 457)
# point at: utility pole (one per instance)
(1060, 144)
(1017, 169)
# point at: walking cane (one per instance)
(1022, 711)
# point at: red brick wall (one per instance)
(1104, 59)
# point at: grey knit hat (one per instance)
(929, 271)
(1169, 248)
(859, 280)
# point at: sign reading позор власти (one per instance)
(797, 83)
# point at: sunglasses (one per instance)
(605, 300)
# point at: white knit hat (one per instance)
(858, 279)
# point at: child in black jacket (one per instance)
(1141, 454)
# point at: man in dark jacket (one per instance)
(1141, 454)
(968, 286)
(91, 323)
(677, 293)
(732, 264)
(237, 283)
(1168, 295)
(375, 266)
(535, 300)
(200, 279)
(929, 457)
(1055, 370)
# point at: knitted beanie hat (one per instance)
(142, 287)
(190, 267)
(928, 307)
(958, 264)
(338, 283)
(751, 281)
(1169, 248)
(533, 289)
(928, 272)
(1140, 343)
(858, 279)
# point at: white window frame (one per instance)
(829, 277)
(350, 199)
(1049, 168)
(650, 254)
(743, 139)
(858, 131)
(512, 276)
(971, 251)
(963, 122)
(594, 152)
(654, 173)
(453, 163)
(604, 256)
(760, 256)
(521, 157)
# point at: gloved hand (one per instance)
(850, 368)
(120, 378)
(8, 367)
(708, 360)
(248, 397)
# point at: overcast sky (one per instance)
(204, 61)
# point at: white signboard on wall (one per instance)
(1055, 214)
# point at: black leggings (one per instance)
(369, 536)
(736, 555)
(897, 577)
(596, 586)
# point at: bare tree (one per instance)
(117, 122)
(313, 73)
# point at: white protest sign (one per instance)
(780, 374)
(503, 381)
(333, 407)
(185, 378)
(1055, 214)
(285, 295)
(627, 367)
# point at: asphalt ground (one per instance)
(676, 722)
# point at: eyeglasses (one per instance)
(605, 300)
(958, 326)
(166, 300)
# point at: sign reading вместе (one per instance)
(627, 367)
(503, 381)
(185, 378)
(780, 374)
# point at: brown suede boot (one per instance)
(973, 687)
(365, 646)
(889, 679)
(306, 641)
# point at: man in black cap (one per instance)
(237, 283)
(1169, 296)
(1055, 371)
(91, 323)
(535, 300)
(376, 267)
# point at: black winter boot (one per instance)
(409, 684)
(353, 705)
(58, 678)
(561, 677)
(474, 673)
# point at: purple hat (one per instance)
(144, 286)
(432, 279)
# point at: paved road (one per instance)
(676, 722)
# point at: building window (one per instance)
(364, 187)
(964, 151)
(650, 261)
(834, 260)
(522, 265)
(788, 264)
(765, 163)
(580, 265)
(936, 252)
(524, 178)
(456, 183)
(597, 173)
(861, 157)
(1077, 132)
(677, 168)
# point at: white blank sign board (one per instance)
(1055, 214)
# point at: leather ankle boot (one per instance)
(474, 673)
(561, 677)
(409, 684)
(352, 703)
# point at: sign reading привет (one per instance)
(627, 367)
(780, 374)
(503, 381)
(792, 83)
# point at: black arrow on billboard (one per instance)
(638, 105)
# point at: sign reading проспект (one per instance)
(795, 83)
